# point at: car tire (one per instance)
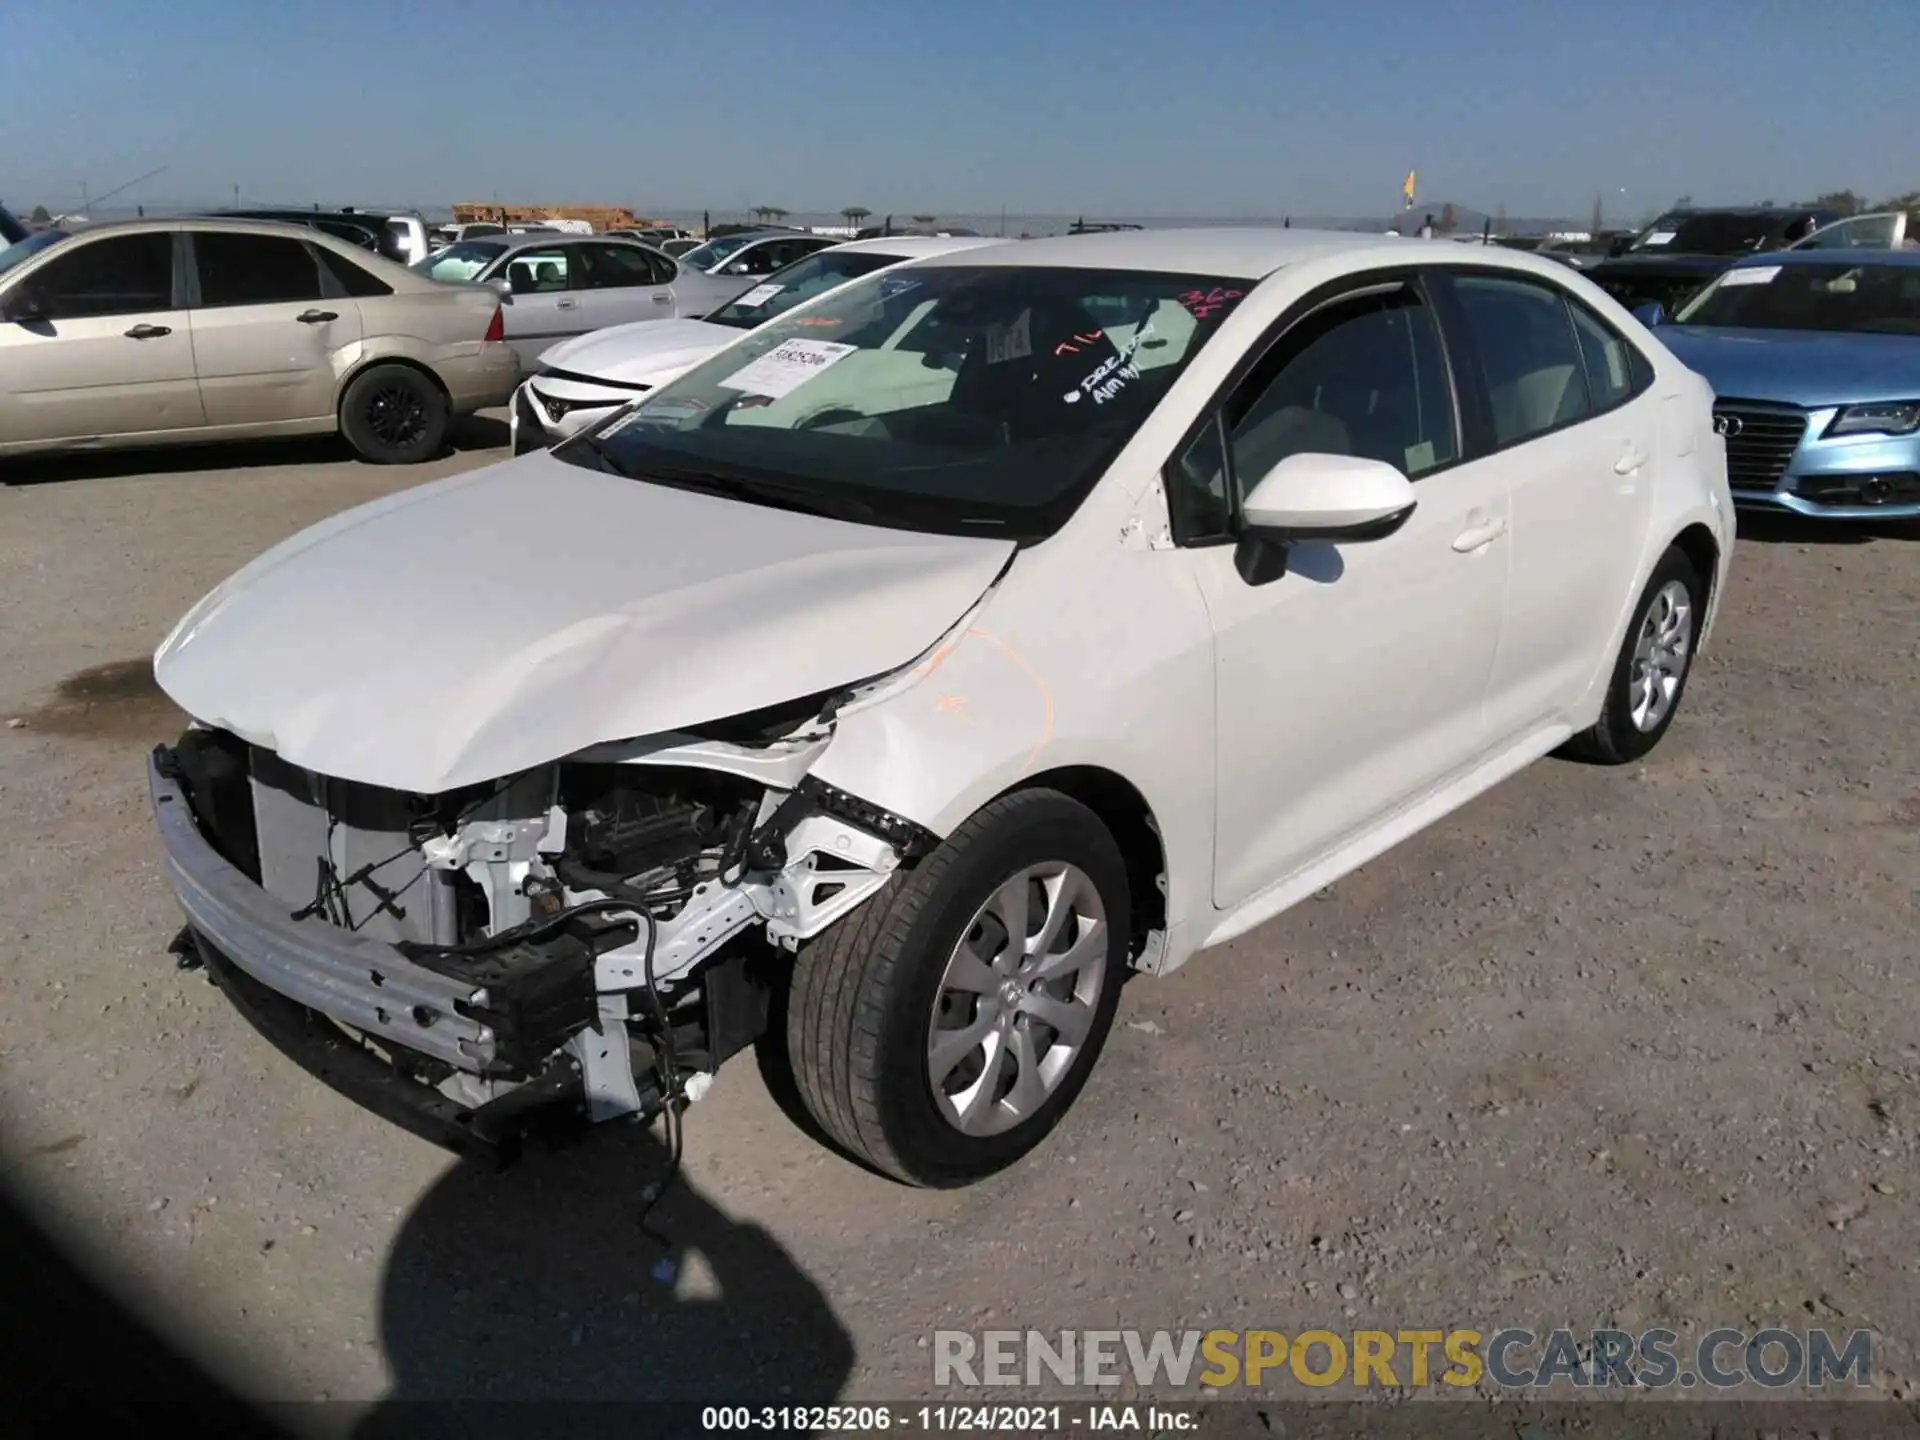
(1649, 677)
(872, 995)
(394, 415)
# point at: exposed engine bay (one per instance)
(603, 931)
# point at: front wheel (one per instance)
(940, 1031)
(1650, 674)
(394, 415)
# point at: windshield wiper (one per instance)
(804, 498)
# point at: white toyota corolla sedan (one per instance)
(918, 665)
(580, 381)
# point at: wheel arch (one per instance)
(369, 362)
(1698, 544)
(1119, 805)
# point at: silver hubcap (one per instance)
(1016, 1003)
(1660, 656)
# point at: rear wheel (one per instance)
(394, 415)
(941, 1030)
(1650, 674)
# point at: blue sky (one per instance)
(1208, 107)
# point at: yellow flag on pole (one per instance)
(1407, 190)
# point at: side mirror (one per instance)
(739, 267)
(502, 286)
(1329, 498)
(1651, 314)
(24, 306)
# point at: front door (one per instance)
(545, 308)
(108, 354)
(1353, 683)
(265, 329)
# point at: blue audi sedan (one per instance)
(1814, 357)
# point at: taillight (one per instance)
(496, 327)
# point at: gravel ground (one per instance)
(1626, 1046)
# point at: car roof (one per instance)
(1241, 253)
(1909, 259)
(394, 274)
(913, 247)
(234, 224)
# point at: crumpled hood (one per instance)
(638, 354)
(477, 626)
(1799, 367)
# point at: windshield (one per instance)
(799, 282)
(462, 261)
(705, 257)
(1879, 299)
(32, 245)
(1724, 234)
(968, 400)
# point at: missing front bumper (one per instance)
(491, 1134)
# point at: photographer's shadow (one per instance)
(540, 1285)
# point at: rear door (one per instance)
(1576, 430)
(110, 354)
(269, 328)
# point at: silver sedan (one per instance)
(558, 286)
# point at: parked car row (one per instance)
(922, 660)
(579, 380)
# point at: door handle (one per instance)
(566, 304)
(315, 317)
(1629, 462)
(148, 332)
(1478, 538)
(662, 297)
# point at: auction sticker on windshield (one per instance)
(1755, 275)
(758, 295)
(787, 367)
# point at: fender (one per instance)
(985, 711)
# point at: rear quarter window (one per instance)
(351, 279)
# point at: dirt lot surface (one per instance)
(1628, 1046)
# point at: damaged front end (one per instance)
(588, 939)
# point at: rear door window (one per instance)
(1612, 376)
(351, 279)
(615, 266)
(253, 270)
(1530, 360)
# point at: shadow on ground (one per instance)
(470, 432)
(505, 1294)
(1766, 527)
